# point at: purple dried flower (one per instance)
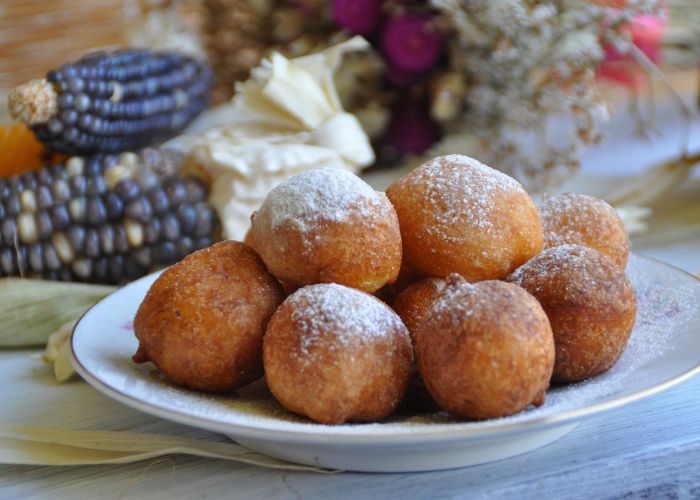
(399, 77)
(411, 130)
(411, 43)
(359, 17)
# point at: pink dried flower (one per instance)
(411, 43)
(646, 32)
(359, 17)
(411, 130)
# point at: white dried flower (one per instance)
(580, 48)
(527, 60)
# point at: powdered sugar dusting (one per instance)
(459, 299)
(578, 262)
(319, 195)
(577, 218)
(461, 190)
(346, 314)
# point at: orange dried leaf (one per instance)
(20, 151)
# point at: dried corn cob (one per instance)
(113, 102)
(103, 219)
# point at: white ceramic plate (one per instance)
(664, 350)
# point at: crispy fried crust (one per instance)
(360, 248)
(590, 303)
(413, 305)
(203, 319)
(406, 278)
(460, 216)
(584, 220)
(485, 350)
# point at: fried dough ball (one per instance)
(406, 278)
(460, 216)
(203, 319)
(329, 226)
(579, 219)
(288, 288)
(486, 349)
(590, 304)
(335, 354)
(413, 305)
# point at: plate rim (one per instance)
(314, 430)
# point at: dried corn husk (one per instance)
(653, 183)
(287, 118)
(50, 446)
(57, 352)
(634, 218)
(31, 310)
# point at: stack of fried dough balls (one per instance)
(579, 280)
(590, 304)
(484, 318)
(332, 351)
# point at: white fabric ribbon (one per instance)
(287, 118)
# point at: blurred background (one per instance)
(597, 96)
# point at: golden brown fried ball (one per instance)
(486, 349)
(335, 354)
(590, 304)
(329, 226)
(203, 319)
(460, 216)
(406, 278)
(584, 220)
(413, 305)
(288, 288)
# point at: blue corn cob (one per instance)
(102, 219)
(109, 102)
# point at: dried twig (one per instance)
(654, 182)
(649, 66)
